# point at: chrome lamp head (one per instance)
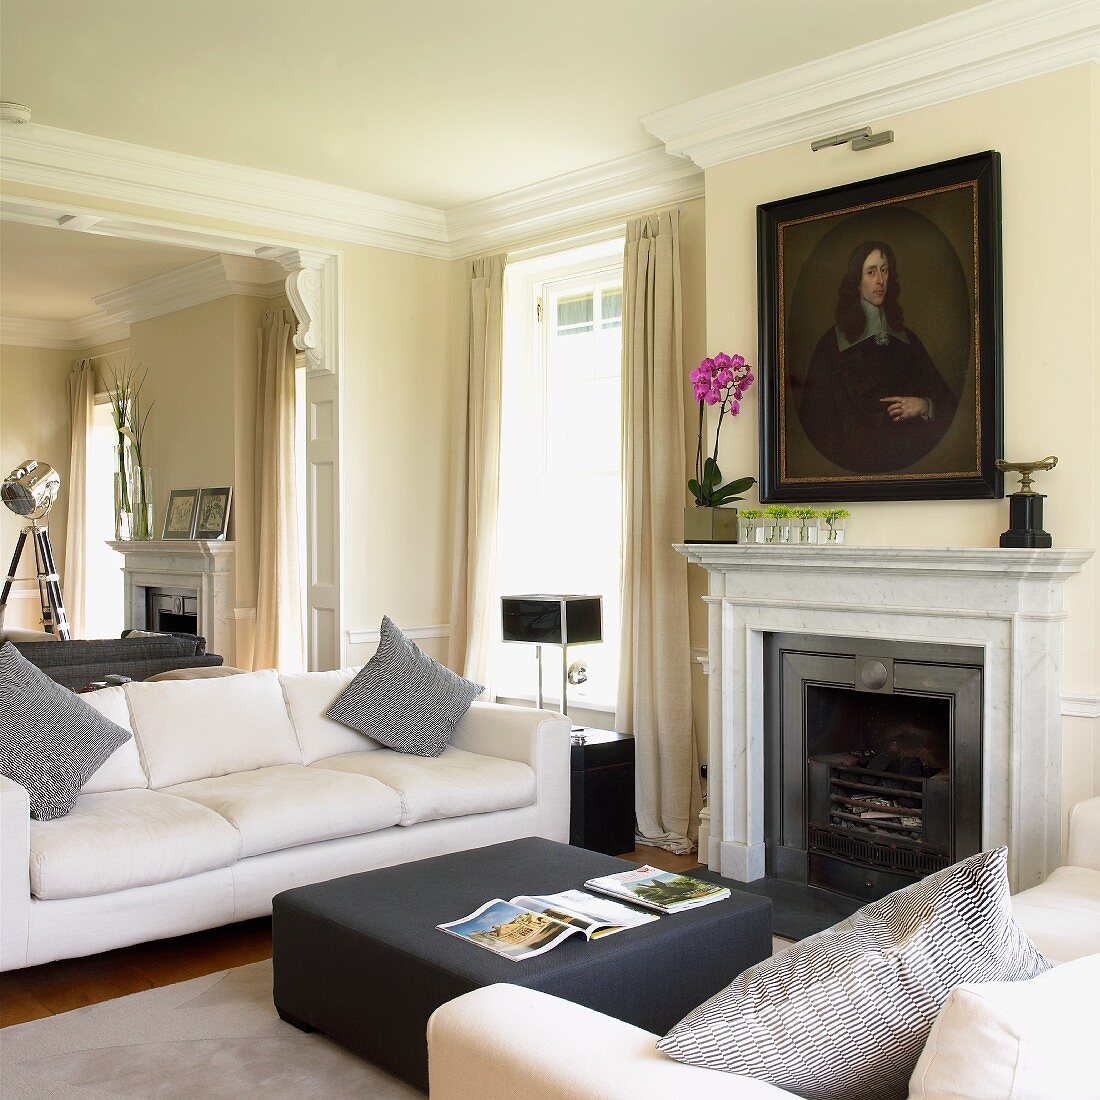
(31, 489)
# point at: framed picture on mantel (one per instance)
(880, 338)
(179, 517)
(212, 520)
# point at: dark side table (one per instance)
(601, 811)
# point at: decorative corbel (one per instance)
(304, 288)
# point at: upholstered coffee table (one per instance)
(361, 960)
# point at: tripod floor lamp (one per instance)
(30, 491)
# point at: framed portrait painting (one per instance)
(880, 338)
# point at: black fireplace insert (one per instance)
(872, 760)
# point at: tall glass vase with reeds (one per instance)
(133, 479)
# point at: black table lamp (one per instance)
(540, 620)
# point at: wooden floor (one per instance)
(73, 983)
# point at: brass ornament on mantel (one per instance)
(1025, 506)
(1026, 469)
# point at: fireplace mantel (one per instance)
(202, 565)
(1007, 601)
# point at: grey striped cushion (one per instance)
(404, 699)
(844, 1014)
(51, 741)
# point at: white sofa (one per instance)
(476, 1052)
(233, 789)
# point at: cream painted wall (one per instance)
(397, 468)
(1047, 130)
(189, 360)
(201, 365)
(34, 423)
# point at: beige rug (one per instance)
(211, 1037)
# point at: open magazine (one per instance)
(664, 891)
(528, 926)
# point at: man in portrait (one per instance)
(873, 400)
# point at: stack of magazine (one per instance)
(528, 926)
(661, 890)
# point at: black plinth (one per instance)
(1025, 522)
(360, 959)
(601, 781)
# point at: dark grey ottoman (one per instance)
(360, 958)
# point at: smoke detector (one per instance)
(14, 112)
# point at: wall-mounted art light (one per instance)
(859, 139)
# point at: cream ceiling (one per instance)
(434, 101)
(54, 275)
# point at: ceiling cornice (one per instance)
(119, 171)
(204, 281)
(84, 332)
(615, 189)
(46, 156)
(982, 48)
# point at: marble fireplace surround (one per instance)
(1009, 602)
(205, 567)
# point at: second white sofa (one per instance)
(236, 788)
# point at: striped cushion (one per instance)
(51, 741)
(844, 1014)
(404, 699)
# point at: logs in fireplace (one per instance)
(872, 761)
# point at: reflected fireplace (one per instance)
(872, 760)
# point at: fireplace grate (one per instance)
(838, 841)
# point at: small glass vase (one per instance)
(805, 531)
(832, 532)
(785, 530)
(746, 529)
(769, 530)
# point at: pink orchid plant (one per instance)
(720, 381)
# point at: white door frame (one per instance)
(314, 286)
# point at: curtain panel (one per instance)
(280, 641)
(477, 436)
(654, 696)
(82, 383)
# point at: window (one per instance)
(560, 487)
(104, 615)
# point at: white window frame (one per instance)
(527, 340)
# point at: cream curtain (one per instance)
(279, 636)
(654, 699)
(82, 380)
(477, 441)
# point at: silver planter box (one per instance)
(710, 524)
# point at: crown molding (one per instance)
(111, 170)
(616, 189)
(84, 332)
(46, 156)
(204, 281)
(982, 48)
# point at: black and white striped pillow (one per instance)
(844, 1014)
(404, 699)
(51, 741)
